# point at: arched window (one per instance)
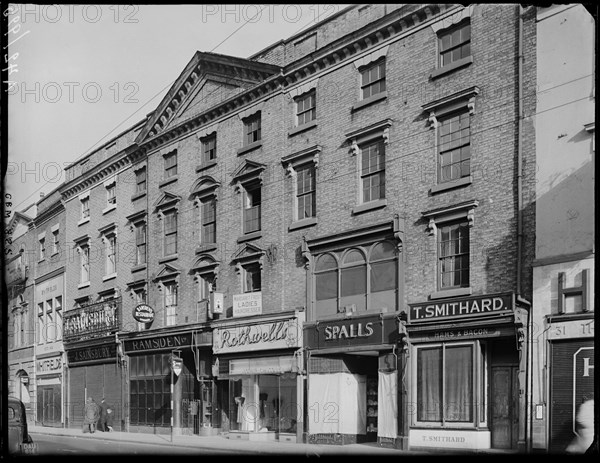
(383, 275)
(354, 281)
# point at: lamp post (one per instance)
(176, 364)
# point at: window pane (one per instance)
(459, 383)
(383, 250)
(354, 280)
(325, 262)
(429, 384)
(353, 256)
(383, 276)
(326, 285)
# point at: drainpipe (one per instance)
(529, 343)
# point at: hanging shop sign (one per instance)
(281, 334)
(474, 306)
(86, 354)
(143, 313)
(173, 341)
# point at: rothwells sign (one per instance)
(474, 306)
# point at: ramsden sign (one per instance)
(159, 343)
(464, 307)
(143, 313)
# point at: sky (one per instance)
(82, 74)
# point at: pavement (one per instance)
(220, 443)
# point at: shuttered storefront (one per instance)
(97, 381)
(570, 383)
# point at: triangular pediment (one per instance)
(248, 169)
(166, 199)
(167, 271)
(207, 80)
(247, 251)
(19, 224)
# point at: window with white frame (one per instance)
(252, 204)
(451, 228)
(170, 164)
(111, 195)
(252, 129)
(208, 219)
(110, 243)
(170, 300)
(251, 277)
(84, 263)
(373, 79)
(170, 232)
(42, 248)
(209, 148)
(55, 241)
(306, 108)
(369, 146)
(140, 243)
(455, 43)
(453, 255)
(372, 173)
(306, 191)
(140, 180)
(450, 384)
(85, 207)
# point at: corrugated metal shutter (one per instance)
(112, 391)
(76, 396)
(561, 392)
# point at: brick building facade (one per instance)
(327, 242)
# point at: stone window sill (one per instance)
(369, 101)
(208, 165)
(372, 205)
(167, 181)
(206, 248)
(461, 182)
(250, 236)
(302, 128)
(109, 277)
(82, 221)
(112, 207)
(139, 195)
(451, 67)
(137, 268)
(83, 285)
(167, 258)
(444, 293)
(308, 222)
(250, 147)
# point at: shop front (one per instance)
(259, 380)
(468, 373)
(49, 361)
(353, 379)
(93, 366)
(169, 386)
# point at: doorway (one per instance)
(504, 402)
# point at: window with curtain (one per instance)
(252, 203)
(85, 264)
(252, 278)
(445, 383)
(111, 255)
(170, 290)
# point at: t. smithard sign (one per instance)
(474, 306)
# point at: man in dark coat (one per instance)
(102, 420)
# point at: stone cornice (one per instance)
(343, 49)
(100, 172)
(47, 214)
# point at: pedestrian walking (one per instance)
(91, 414)
(110, 413)
(102, 420)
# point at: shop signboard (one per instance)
(247, 304)
(92, 353)
(463, 307)
(143, 313)
(170, 342)
(282, 334)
